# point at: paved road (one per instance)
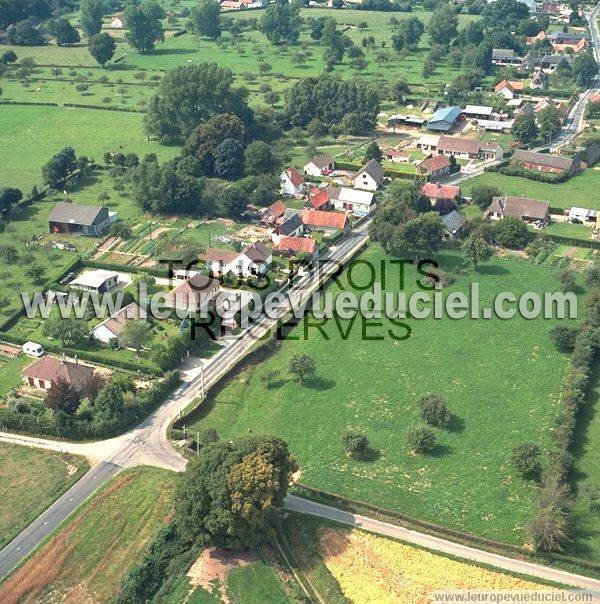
(61, 509)
(306, 506)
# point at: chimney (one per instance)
(76, 360)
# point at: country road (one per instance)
(305, 506)
(147, 444)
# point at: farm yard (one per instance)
(466, 484)
(26, 471)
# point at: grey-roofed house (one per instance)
(544, 162)
(290, 227)
(77, 218)
(528, 210)
(369, 177)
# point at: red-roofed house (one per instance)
(509, 88)
(435, 167)
(435, 191)
(595, 98)
(43, 374)
(325, 221)
(291, 246)
(318, 200)
(292, 182)
(396, 156)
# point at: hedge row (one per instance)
(104, 108)
(514, 170)
(34, 103)
(594, 245)
(77, 429)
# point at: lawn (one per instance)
(501, 379)
(580, 190)
(90, 555)
(31, 480)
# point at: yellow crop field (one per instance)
(374, 569)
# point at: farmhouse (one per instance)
(292, 246)
(369, 177)
(435, 191)
(562, 41)
(464, 148)
(98, 280)
(79, 219)
(539, 80)
(351, 200)
(113, 326)
(528, 210)
(396, 156)
(193, 295)
(317, 166)
(543, 162)
(453, 223)
(443, 120)
(329, 222)
(292, 182)
(435, 167)
(43, 374)
(117, 22)
(255, 259)
(509, 88)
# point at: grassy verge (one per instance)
(30, 481)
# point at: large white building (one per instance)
(351, 200)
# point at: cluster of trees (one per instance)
(404, 222)
(333, 102)
(435, 414)
(65, 167)
(281, 22)
(144, 27)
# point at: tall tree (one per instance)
(102, 47)
(476, 250)
(135, 334)
(443, 25)
(281, 22)
(525, 129)
(64, 32)
(143, 24)
(206, 19)
(230, 491)
(63, 397)
(190, 95)
(92, 12)
(550, 121)
(59, 168)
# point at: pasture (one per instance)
(501, 380)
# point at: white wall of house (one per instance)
(312, 170)
(103, 334)
(287, 187)
(241, 265)
(365, 181)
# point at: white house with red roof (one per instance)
(291, 181)
(254, 259)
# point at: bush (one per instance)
(549, 529)
(434, 410)
(355, 444)
(421, 439)
(563, 337)
(525, 459)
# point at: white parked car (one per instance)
(33, 349)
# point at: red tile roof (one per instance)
(595, 98)
(434, 163)
(319, 199)
(302, 245)
(435, 190)
(277, 209)
(317, 218)
(294, 176)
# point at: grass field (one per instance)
(581, 190)
(29, 136)
(88, 557)
(500, 378)
(30, 480)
